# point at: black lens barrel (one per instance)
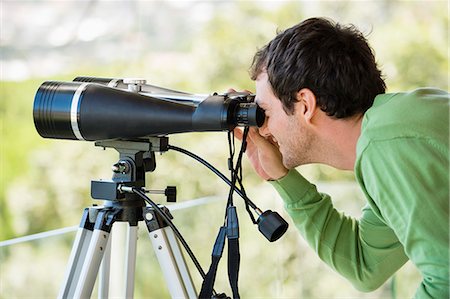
(52, 109)
(249, 114)
(93, 111)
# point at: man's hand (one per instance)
(263, 155)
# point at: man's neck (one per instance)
(338, 139)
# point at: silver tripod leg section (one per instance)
(120, 270)
(172, 263)
(130, 262)
(94, 255)
(181, 263)
(105, 268)
(91, 264)
(76, 259)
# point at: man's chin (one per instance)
(288, 164)
(291, 164)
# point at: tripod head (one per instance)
(136, 157)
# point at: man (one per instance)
(325, 102)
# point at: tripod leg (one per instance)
(79, 250)
(130, 263)
(94, 255)
(170, 258)
(118, 239)
(103, 290)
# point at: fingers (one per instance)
(231, 90)
(262, 142)
(254, 136)
(238, 133)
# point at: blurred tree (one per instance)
(233, 35)
(18, 139)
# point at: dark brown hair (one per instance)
(335, 62)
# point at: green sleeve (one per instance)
(365, 251)
(409, 185)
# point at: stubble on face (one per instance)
(296, 146)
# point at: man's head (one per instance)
(315, 81)
(333, 61)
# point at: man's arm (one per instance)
(366, 252)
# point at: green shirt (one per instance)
(402, 166)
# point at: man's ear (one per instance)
(308, 106)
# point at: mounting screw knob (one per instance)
(135, 81)
(134, 84)
(121, 167)
(171, 193)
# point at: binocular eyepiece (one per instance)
(94, 109)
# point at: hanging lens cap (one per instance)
(272, 225)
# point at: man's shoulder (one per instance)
(423, 95)
(421, 112)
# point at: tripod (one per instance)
(92, 247)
